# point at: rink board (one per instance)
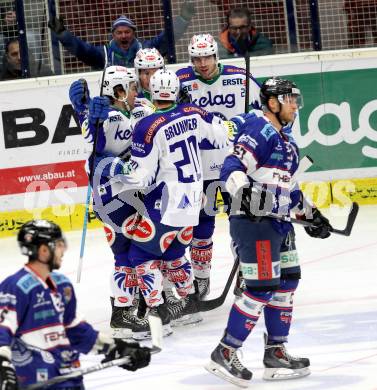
(71, 217)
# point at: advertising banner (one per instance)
(42, 151)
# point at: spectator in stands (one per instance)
(12, 63)
(361, 18)
(122, 49)
(240, 35)
(9, 30)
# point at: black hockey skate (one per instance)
(125, 324)
(226, 365)
(279, 364)
(203, 287)
(163, 312)
(186, 311)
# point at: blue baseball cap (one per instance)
(123, 21)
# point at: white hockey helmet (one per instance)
(164, 85)
(203, 45)
(117, 75)
(148, 58)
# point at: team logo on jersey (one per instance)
(229, 100)
(122, 135)
(195, 86)
(129, 225)
(110, 234)
(144, 231)
(185, 235)
(166, 240)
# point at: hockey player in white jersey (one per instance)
(219, 89)
(41, 334)
(166, 161)
(146, 63)
(111, 117)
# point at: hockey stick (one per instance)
(216, 302)
(89, 190)
(83, 371)
(343, 232)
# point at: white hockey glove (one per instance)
(8, 378)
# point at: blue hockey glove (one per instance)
(139, 356)
(98, 109)
(8, 378)
(79, 95)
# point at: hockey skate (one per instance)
(279, 365)
(226, 365)
(125, 324)
(163, 312)
(203, 287)
(185, 311)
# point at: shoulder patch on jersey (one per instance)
(230, 69)
(152, 128)
(268, 131)
(184, 73)
(27, 283)
(59, 278)
(188, 109)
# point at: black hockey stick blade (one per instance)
(343, 232)
(217, 302)
(351, 220)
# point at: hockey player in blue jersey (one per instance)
(219, 89)
(113, 114)
(259, 176)
(41, 335)
(166, 162)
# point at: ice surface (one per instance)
(334, 322)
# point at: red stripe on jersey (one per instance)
(263, 249)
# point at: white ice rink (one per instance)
(334, 322)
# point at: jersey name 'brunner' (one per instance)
(181, 127)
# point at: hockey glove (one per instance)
(321, 228)
(8, 378)
(183, 97)
(139, 356)
(256, 202)
(98, 109)
(57, 25)
(79, 95)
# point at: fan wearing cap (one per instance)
(124, 45)
(41, 335)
